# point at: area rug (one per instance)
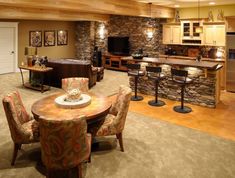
(153, 148)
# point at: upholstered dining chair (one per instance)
(114, 122)
(65, 144)
(23, 128)
(76, 83)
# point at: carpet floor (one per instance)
(153, 148)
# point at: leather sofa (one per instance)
(65, 68)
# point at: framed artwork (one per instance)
(62, 37)
(49, 38)
(35, 38)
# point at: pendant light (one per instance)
(150, 29)
(199, 29)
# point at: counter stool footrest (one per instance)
(158, 103)
(185, 109)
(136, 98)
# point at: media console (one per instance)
(114, 62)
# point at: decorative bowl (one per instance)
(73, 95)
(137, 56)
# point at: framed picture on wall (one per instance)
(62, 37)
(49, 38)
(35, 38)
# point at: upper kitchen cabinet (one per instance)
(214, 35)
(188, 32)
(171, 34)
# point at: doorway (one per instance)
(8, 47)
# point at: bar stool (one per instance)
(181, 78)
(154, 73)
(134, 70)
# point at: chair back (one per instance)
(153, 71)
(16, 116)
(75, 83)
(133, 66)
(179, 75)
(121, 106)
(133, 69)
(63, 142)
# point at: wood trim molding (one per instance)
(117, 7)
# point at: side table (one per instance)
(39, 70)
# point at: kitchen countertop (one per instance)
(191, 58)
(180, 62)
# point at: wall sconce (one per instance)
(149, 32)
(102, 31)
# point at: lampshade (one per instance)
(30, 51)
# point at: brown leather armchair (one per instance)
(65, 68)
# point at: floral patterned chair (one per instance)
(75, 83)
(114, 122)
(24, 129)
(65, 144)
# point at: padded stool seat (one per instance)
(135, 73)
(134, 70)
(154, 73)
(181, 77)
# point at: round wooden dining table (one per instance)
(46, 107)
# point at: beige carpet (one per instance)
(153, 148)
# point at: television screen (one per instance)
(118, 45)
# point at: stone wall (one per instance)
(88, 35)
(200, 92)
(135, 29)
(85, 34)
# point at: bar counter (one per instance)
(204, 91)
(175, 61)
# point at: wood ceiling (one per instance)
(74, 10)
(187, 3)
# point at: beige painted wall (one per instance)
(67, 51)
(189, 13)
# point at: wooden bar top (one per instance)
(191, 58)
(178, 62)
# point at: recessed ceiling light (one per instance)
(177, 5)
(212, 3)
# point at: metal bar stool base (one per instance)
(157, 104)
(185, 109)
(137, 98)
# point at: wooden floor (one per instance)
(219, 121)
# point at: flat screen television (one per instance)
(118, 45)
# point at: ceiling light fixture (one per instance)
(150, 29)
(199, 29)
(211, 3)
(177, 5)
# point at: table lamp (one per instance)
(30, 52)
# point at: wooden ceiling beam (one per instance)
(7, 12)
(118, 7)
